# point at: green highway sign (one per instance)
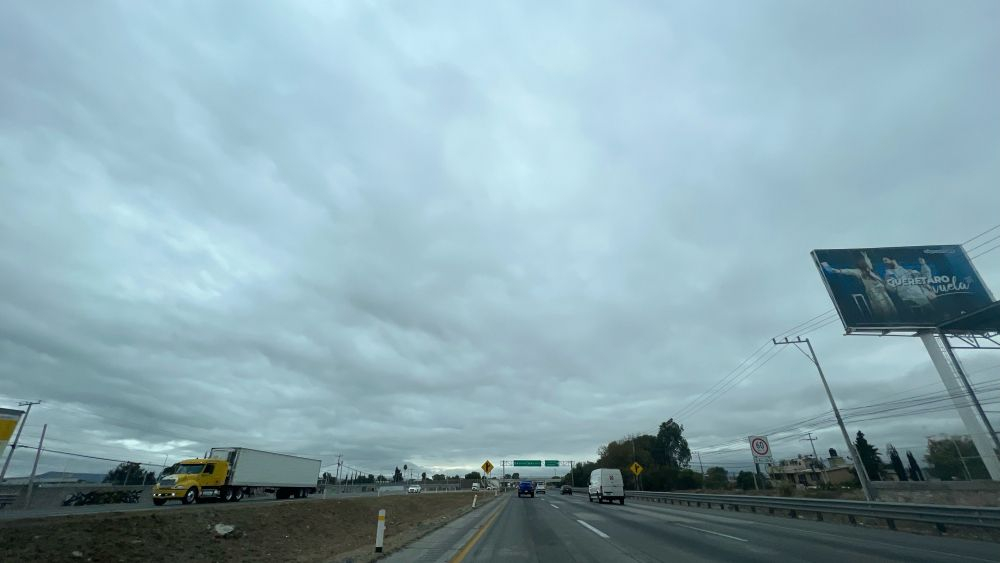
(527, 463)
(552, 463)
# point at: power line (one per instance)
(991, 229)
(987, 251)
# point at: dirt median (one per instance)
(321, 530)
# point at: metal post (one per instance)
(700, 464)
(34, 468)
(756, 470)
(859, 467)
(968, 476)
(17, 436)
(972, 394)
(947, 372)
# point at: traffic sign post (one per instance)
(761, 449)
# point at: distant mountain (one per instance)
(85, 477)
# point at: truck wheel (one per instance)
(590, 498)
(303, 493)
(532, 495)
(190, 496)
(227, 495)
(238, 494)
(621, 501)
(158, 501)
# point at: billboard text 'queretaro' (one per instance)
(900, 288)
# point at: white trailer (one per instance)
(288, 475)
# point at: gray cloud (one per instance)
(438, 235)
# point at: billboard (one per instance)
(8, 422)
(901, 288)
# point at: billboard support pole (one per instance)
(20, 427)
(859, 467)
(972, 394)
(973, 426)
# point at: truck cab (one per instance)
(193, 480)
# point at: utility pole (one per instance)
(700, 464)
(17, 436)
(958, 452)
(859, 467)
(34, 468)
(812, 442)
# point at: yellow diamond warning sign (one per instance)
(636, 468)
(487, 466)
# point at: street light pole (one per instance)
(859, 467)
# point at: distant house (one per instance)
(807, 471)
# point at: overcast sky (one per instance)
(435, 233)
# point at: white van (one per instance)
(606, 485)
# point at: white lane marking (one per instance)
(593, 529)
(552, 505)
(713, 533)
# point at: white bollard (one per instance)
(474, 497)
(380, 531)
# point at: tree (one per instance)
(946, 457)
(475, 475)
(745, 480)
(397, 476)
(507, 476)
(382, 478)
(916, 474)
(716, 478)
(869, 457)
(423, 476)
(438, 477)
(897, 463)
(329, 478)
(515, 476)
(130, 473)
(670, 447)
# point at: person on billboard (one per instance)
(907, 285)
(925, 272)
(878, 295)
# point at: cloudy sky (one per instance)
(434, 233)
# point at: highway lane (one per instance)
(568, 528)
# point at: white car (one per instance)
(413, 489)
(540, 489)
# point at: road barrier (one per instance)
(939, 515)
(380, 531)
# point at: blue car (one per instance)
(526, 488)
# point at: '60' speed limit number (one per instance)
(760, 448)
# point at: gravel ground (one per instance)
(317, 530)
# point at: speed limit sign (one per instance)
(761, 449)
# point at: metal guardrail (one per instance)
(937, 514)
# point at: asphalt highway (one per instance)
(569, 528)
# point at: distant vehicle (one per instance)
(540, 488)
(526, 488)
(413, 489)
(567, 490)
(606, 485)
(227, 473)
(475, 486)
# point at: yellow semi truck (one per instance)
(228, 473)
